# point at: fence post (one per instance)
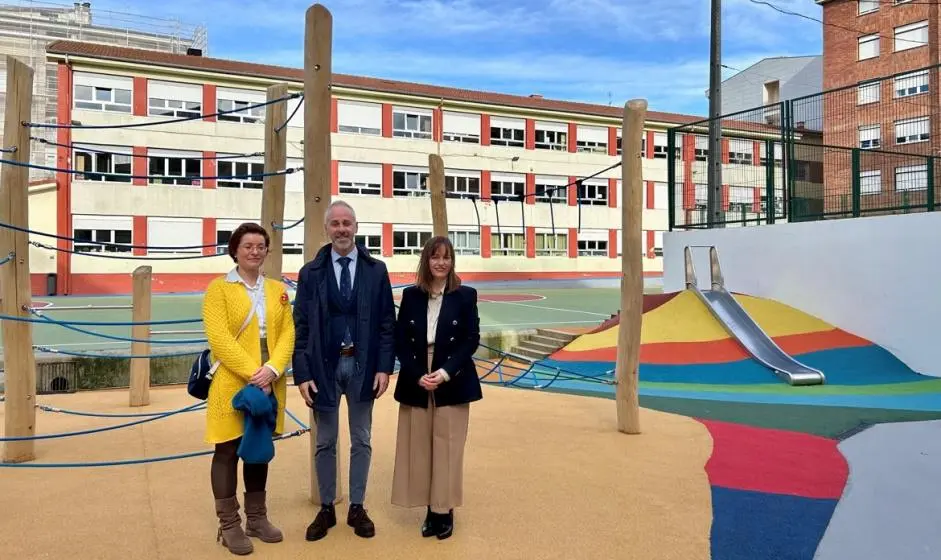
(929, 194)
(787, 166)
(769, 181)
(140, 367)
(19, 418)
(318, 73)
(854, 189)
(272, 193)
(439, 203)
(671, 178)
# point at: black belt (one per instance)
(346, 351)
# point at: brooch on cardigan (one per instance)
(284, 298)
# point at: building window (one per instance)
(465, 242)
(914, 83)
(911, 178)
(102, 92)
(910, 131)
(593, 194)
(741, 152)
(911, 36)
(552, 244)
(457, 186)
(660, 145)
(239, 101)
(592, 248)
(174, 168)
(360, 178)
(870, 182)
(868, 47)
(409, 182)
(763, 151)
(507, 188)
(702, 148)
(643, 143)
(592, 139)
(97, 166)
(372, 242)
(460, 127)
(355, 117)
(867, 6)
(409, 242)
(868, 93)
(411, 123)
(551, 136)
(171, 233)
(551, 189)
(507, 132)
(870, 136)
(90, 231)
(169, 99)
(233, 168)
(507, 244)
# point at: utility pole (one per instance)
(714, 195)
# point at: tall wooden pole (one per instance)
(140, 367)
(439, 203)
(272, 194)
(318, 74)
(632, 269)
(15, 294)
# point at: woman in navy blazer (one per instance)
(437, 333)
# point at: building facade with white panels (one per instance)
(495, 148)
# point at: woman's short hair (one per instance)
(424, 278)
(236, 238)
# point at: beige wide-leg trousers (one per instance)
(429, 455)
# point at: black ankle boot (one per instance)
(430, 526)
(445, 525)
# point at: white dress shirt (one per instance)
(338, 268)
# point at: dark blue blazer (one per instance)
(456, 340)
(315, 357)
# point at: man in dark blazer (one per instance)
(344, 320)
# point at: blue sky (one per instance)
(599, 51)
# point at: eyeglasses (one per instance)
(254, 248)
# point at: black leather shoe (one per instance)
(360, 522)
(325, 519)
(445, 525)
(430, 527)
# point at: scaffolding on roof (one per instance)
(28, 26)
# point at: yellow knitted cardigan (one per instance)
(225, 306)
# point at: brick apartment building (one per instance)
(880, 95)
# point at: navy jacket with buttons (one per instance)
(318, 334)
(456, 341)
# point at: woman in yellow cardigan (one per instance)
(258, 356)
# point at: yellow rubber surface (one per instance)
(547, 476)
(686, 319)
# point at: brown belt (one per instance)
(347, 351)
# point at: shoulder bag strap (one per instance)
(251, 312)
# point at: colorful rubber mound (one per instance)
(776, 471)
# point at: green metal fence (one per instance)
(864, 149)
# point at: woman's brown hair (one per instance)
(236, 238)
(424, 278)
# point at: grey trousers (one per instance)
(328, 424)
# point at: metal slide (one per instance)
(740, 325)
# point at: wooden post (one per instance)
(15, 294)
(439, 202)
(140, 367)
(272, 197)
(632, 269)
(318, 74)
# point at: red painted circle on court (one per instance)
(509, 297)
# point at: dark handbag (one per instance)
(202, 370)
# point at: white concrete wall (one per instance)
(875, 277)
(42, 217)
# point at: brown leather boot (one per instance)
(230, 527)
(257, 524)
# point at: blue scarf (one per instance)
(261, 416)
